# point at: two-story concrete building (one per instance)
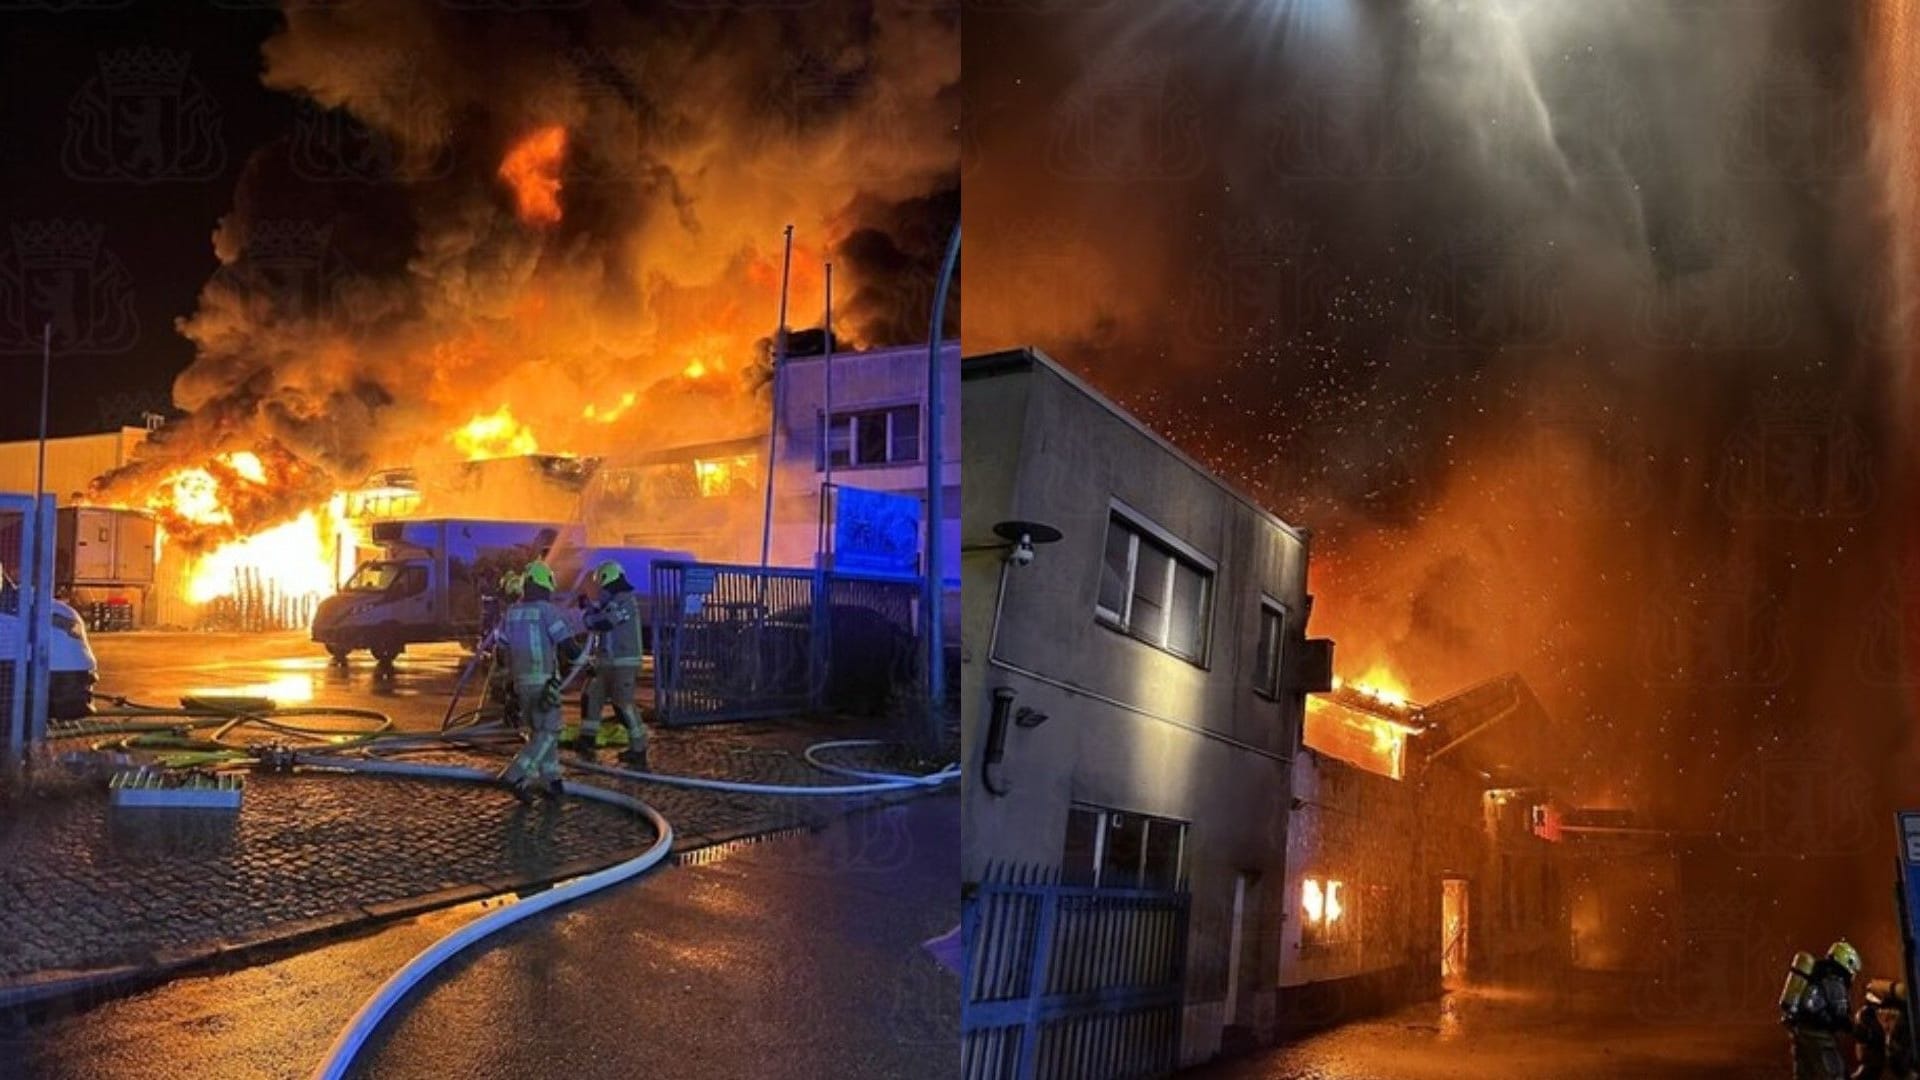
(1132, 694)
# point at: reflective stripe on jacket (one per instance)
(531, 629)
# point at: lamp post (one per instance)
(932, 579)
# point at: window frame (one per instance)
(1139, 527)
(826, 422)
(1103, 825)
(1275, 652)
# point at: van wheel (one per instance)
(387, 654)
(340, 652)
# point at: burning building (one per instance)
(1132, 702)
(1423, 850)
(576, 254)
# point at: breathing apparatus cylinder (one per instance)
(1793, 996)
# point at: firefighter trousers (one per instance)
(613, 684)
(540, 758)
(1816, 1056)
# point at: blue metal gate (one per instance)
(733, 642)
(26, 596)
(1071, 983)
(745, 642)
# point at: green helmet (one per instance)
(608, 572)
(539, 573)
(512, 583)
(1846, 956)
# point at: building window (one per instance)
(1326, 912)
(872, 437)
(1154, 593)
(1114, 849)
(1266, 661)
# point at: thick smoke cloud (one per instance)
(377, 288)
(1567, 327)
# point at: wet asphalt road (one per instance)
(797, 957)
(1572, 1031)
(160, 668)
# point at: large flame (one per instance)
(532, 170)
(292, 559)
(494, 435)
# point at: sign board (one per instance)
(1907, 889)
(876, 531)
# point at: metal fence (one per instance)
(733, 642)
(1069, 982)
(745, 642)
(26, 595)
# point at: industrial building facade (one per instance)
(1132, 695)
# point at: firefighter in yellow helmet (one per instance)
(534, 633)
(1814, 1006)
(616, 617)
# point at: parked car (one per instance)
(72, 669)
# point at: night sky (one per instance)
(1569, 330)
(154, 215)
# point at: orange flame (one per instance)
(290, 557)
(493, 435)
(532, 170)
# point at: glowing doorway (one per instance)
(1453, 929)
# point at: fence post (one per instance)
(42, 563)
(1038, 976)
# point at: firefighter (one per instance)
(535, 634)
(616, 620)
(1881, 1035)
(1814, 1006)
(499, 677)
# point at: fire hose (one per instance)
(166, 728)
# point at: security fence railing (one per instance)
(1069, 982)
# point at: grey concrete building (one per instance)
(1162, 637)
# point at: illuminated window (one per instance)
(1154, 593)
(871, 437)
(1266, 660)
(1326, 915)
(1115, 849)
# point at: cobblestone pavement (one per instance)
(85, 889)
(1586, 1032)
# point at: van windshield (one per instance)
(373, 577)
